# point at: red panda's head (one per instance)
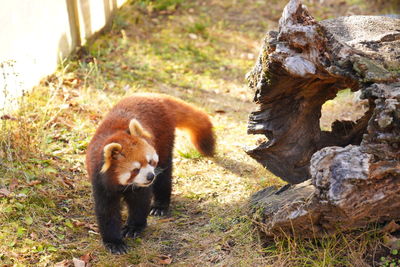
(130, 157)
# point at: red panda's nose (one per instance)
(150, 176)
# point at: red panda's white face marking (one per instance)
(135, 165)
(152, 159)
(124, 178)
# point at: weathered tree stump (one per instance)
(347, 177)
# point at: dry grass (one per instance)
(199, 51)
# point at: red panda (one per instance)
(132, 144)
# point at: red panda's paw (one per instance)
(158, 211)
(132, 231)
(116, 247)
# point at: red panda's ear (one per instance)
(136, 129)
(110, 151)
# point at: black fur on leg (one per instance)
(162, 189)
(107, 208)
(138, 202)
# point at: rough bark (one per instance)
(353, 171)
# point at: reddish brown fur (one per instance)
(159, 115)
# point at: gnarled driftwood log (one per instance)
(347, 177)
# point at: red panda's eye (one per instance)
(135, 172)
(153, 163)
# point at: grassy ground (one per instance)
(200, 52)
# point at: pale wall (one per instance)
(36, 34)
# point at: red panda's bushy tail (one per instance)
(196, 122)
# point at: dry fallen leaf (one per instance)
(68, 182)
(13, 184)
(166, 220)
(193, 36)
(33, 235)
(8, 117)
(164, 259)
(64, 263)
(34, 182)
(78, 223)
(391, 242)
(4, 192)
(391, 227)
(92, 226)
(87, 257)
(78, 262)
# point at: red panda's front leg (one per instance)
(107, 208)
(138, 201)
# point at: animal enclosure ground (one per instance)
(199, 51)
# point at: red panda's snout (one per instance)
(150, 176)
